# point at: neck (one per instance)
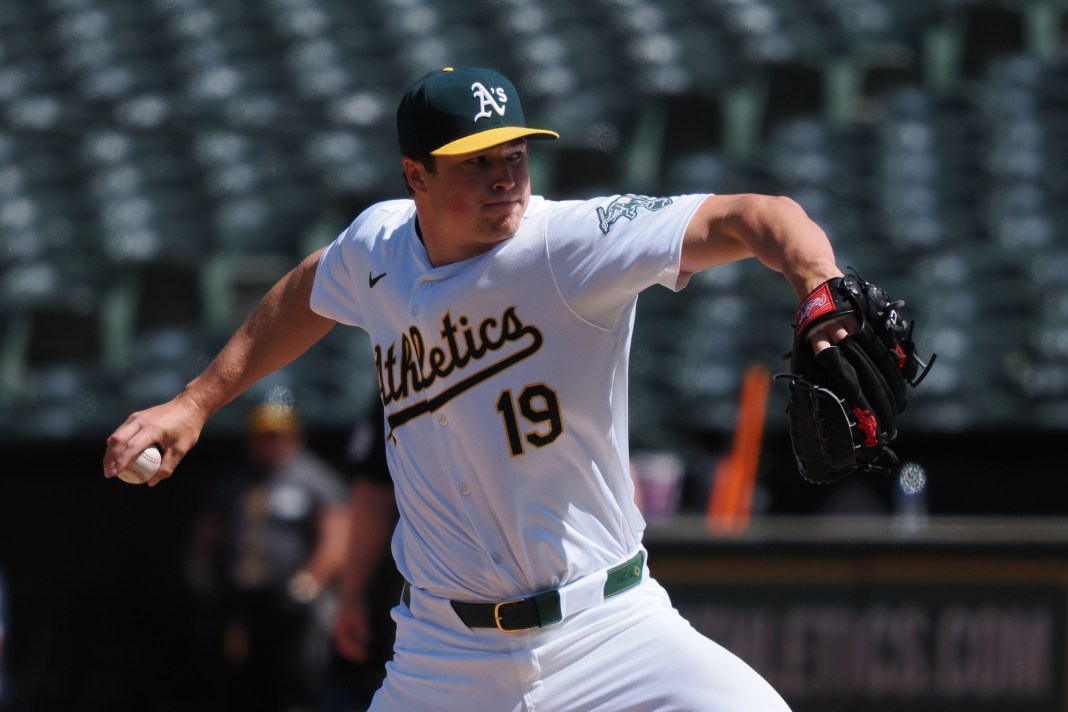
(445, 246)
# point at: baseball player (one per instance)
(500, 324)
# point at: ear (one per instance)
(415, 174)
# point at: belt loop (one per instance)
(624, 576)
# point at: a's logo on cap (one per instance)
(487, 101)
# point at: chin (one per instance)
(502, 228)
(511, 228)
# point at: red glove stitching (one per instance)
(866, 422)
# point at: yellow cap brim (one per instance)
(488, 139)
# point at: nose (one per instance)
(503, 176)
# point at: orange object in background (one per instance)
(731, 501)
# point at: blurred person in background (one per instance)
(370, 584)
(264, 561)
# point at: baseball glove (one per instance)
(844, 401)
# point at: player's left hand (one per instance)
(853, 359)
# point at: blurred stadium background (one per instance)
(163, 161)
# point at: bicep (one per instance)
(713, 235)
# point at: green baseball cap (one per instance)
(449, 112)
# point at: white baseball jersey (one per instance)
(504, 380)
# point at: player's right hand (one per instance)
(175, 426)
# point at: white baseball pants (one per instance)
(631, 653)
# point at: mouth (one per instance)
(501, 205)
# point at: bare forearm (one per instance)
(372, 517)
(372, 510)
(329, 555)
(280, 328)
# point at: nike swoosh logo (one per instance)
(372, 281)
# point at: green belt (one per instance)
(541, 609)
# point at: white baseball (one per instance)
(143, 468)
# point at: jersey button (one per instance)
(465, 489)
(415, 310)
(496, 558)
(442, 420)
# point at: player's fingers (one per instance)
(121, 448)
(832, 331)
(116, 442)
(174, 427)
(172, 455)
(819, 343)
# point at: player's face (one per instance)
(271, 449)
(482, 195)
